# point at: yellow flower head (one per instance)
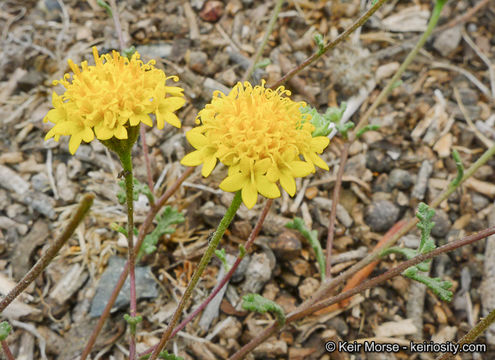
(111, 96)
(259, 134)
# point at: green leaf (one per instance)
(104, 5)
(438, 286)
(169, 216)
(129, 52)
(5, 330)
(367, 128)
(406, 252)
(138, 188)
(325, 123)
(242, 251)
(460, 169)
(165, 355)
(223, 258)
(319, 42)
(312, 237)
(262, 64)
(257, 303)
(133, 321)
(122, 230)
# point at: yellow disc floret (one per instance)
(106, 99)
(260, 135)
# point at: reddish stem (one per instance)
(142, 232)
(226, 278)
(333, 212)
(298, 314)
(6, 350)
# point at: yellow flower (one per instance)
(110, 97)
(259, 134)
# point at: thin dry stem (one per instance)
(6, 350)
(50, 253)
(268, 31)
(252, 236)
(359, 22)
(298, 314)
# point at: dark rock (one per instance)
(339, 325)
(378, 161)
(381, 215)
(145, 286)
(442, 224)
(286, 246)
(479, 201)
(400, 179)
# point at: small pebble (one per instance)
(424, 174)
(257, 274)
(40, 182)
(378, 161)
(338, 324)
(286, 246)
(311, 192)
(442, 224)
(400, 179)
(308, 287)
(197, 61)
(381, 215)
(239, 273)
(212, 11)
(479, 201)
(447, 41)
